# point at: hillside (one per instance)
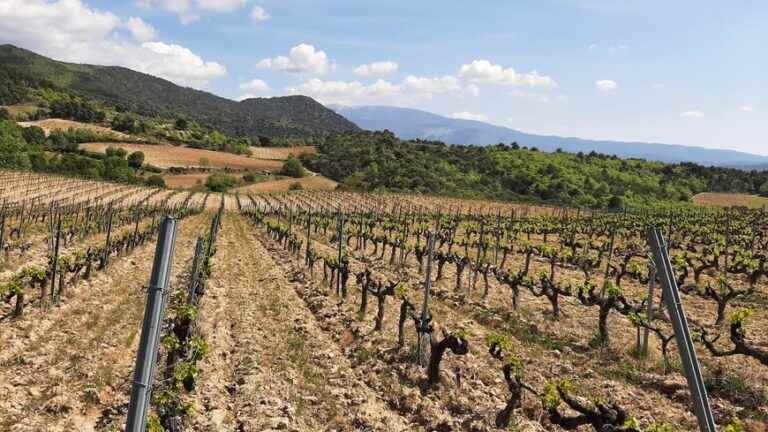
(416, 124)
(379, 161)
(291, 116)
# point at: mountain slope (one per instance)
(416, 124)
(291, 116)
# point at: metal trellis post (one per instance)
(682, 334)
(144, 372)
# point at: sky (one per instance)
(679, 72)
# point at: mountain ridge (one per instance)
(287, 116)
(409, 123)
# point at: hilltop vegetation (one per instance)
(378, 161)
(26, 76)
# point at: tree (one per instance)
(156, 181)
(764, 189)
(295, 186)
(219, 182)
(136, 160)
(34, 135)
(292, 168)
(116, 152)
(4, 114)
(181, 124)
(124, 123)
(13, 148)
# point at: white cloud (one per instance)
(221, 5)
(483, 71)
(410, 91)
(259, 14)
(140, 30)
(658, 86)
(255, 85)
(178, 64)
(606, 86)
(302, 59)
(592, 47)
(692, 114)
(69, 30)
(182, 8)
(380, 68)
(464, 115)
(747, 108)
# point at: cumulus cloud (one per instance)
(189, 11)
(408, 92)
(69, 30)
(485, 72)
(140, 30)
(221, 5)
(380, 68)
(747, 108)
(464, 115)
(259, 14)
(182, 8)
(692, 114)
(302, 59)
(606, 86)
(255, 85)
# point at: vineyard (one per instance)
(317, 310)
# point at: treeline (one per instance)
(378, 161)
(30, 149)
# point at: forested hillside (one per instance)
(379, 161)
(25, 75)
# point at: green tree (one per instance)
(292, 168)
(125, 123)
(156, 181)
(181, 124)
(13, 148)
(764, 189)
(4, 114)
(219, 182)
(34, 135)
(116, 152)
(136, 160)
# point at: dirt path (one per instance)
(270, 366)
(66, 368)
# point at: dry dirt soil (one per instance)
(49, 125)
(167, 156)
(730, 199)
(316, 182)
(280, 153)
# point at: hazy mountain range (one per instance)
(409, 123)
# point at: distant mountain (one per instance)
(291, 116)
(416, 124)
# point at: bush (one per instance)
(249, 178)
(181, 124)
(58, 141)
(4, 114)
(295, 186)
(13, 148)
(219, 182)
(156, 181)
(292, 168)
(136, 160)
(34, 135)
(116, 152)
(125, 123)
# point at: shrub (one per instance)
(219, 182)
(156, 181)
(292, 168)
(295, 186)
(249, 177)
(4, 114)
(181, 124)
(136, 160)
(117, 152)
(34, 135)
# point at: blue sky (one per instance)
(684, 72)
